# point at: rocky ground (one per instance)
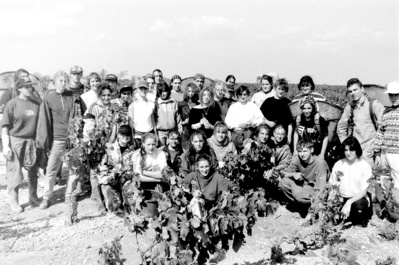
(41, 237)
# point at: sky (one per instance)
(332, 41)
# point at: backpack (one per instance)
(351, 123)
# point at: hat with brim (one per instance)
(143, 84)
(125, 88)
(393, 88)
(20, 83)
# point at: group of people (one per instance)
(191, 130)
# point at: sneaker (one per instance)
(45, 204)
(34, 202)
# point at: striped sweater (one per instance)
(387, 138)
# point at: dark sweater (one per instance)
(277, 110)
(212, 114)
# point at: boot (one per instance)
(13, 199)
(32, 186)
(96, 195)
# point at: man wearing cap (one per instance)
(141, 112)
(75, 76)
(125, 95)
(357, 121)
(18, 136)
(386, 144)
(112, 81)
(199, 81)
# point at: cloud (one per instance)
(38, 20)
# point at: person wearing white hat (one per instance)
(386, 144)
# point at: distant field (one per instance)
(334, 94)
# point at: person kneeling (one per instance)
(351, 174)
(116, 169)
(205, 184)
(306, 174)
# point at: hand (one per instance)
(185, 121)
(242, 125)
(208, 126)
(197, 126)
(346, 209)
(197, 194)
(269, 173)
(298, 175)
(7, 153)
(271, 124)
(221, 164)
(224, 194)
(377, 162)
(289, 140)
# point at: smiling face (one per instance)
(60, 84)
(306, 88)
(176, 85)
(198, 142)
(150, 82)
(219, 91)
(206, 97)
(221, 134)
(204, 167)
(173, 140)
(149, 145)
(394, 98)
(158, 77)
(356, 92)
(94, 84)
(266, 86)
(125, 96)
(305, 153)
(350, 154)
(307, 110)
(106, 96)
(263, 135)
(279, 134)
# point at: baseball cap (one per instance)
(143, 84)
(76, 69)
(111, 77)
(20, 83)
(199, 76)
(393, 88)
(125, 87)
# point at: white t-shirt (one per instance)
(89, 98)
(239, 113)
(351, 178)
(141, 111)
(259, 97)
(153, 162)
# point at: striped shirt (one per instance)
(387, 138)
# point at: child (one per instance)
(305, 174)
(167, 116)
(173, 150)
(220, 142)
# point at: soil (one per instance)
(41, 236)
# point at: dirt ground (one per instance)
(41, 237)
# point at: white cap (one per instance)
(393, 88)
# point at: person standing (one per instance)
(55, 114)
(199, 81)
(360, 118)
(18, 136)
(386, 144)
(75, 84)
(112, 81)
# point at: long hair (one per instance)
(212, 100)
(143, 153)
(194, 98)
(192, 153)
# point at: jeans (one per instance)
(54, 162)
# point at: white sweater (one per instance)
(239, 113)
